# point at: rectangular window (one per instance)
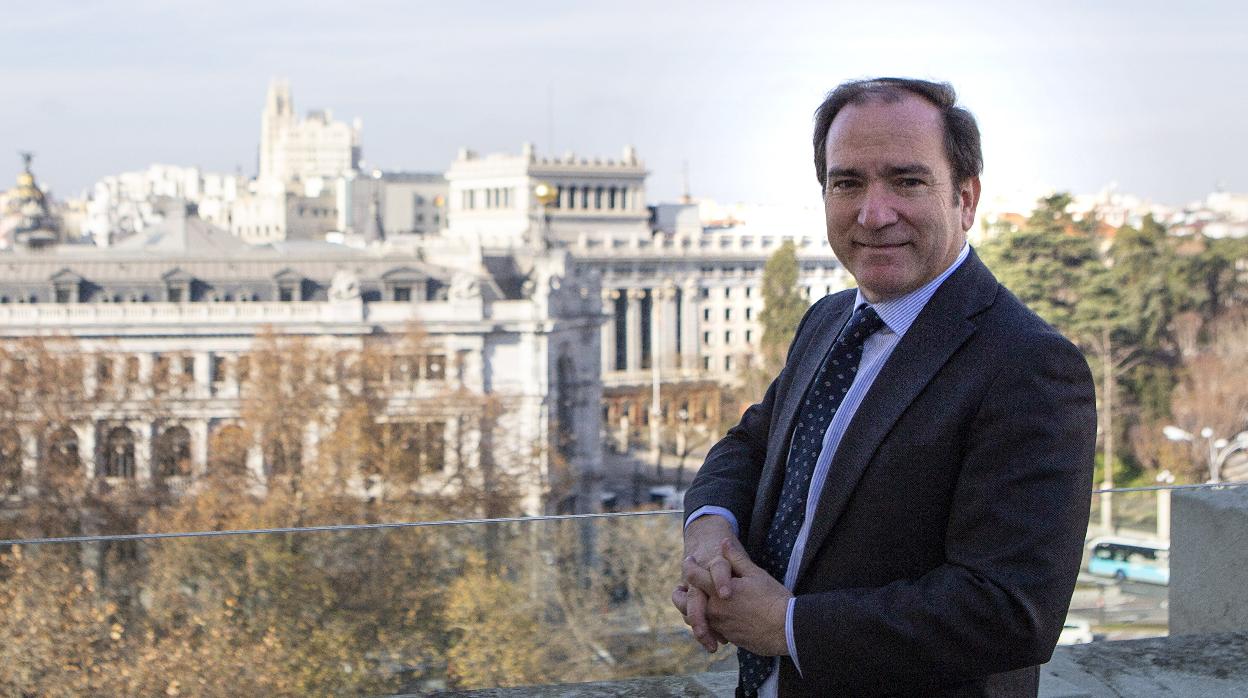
(728, 292)
(727, 313)
(748, 291)
(706, 338)
(706, 313)
(175, 295)
(728, 337)
(160, 369)
(706, 363)
(285, 294)
(104, 370)
(749, 313)
(218, 369)
(62, 294)
(132, 370)
(402, 293)
(188, 366)
(727, 363)
(749, 336)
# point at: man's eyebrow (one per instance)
(915, 169)
(844, 172)
(891, 171)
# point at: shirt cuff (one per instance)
(708, 509)
(788, 635)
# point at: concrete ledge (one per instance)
(1201, 666)
(1207, 666)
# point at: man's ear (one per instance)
(968, 197)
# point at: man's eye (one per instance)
(910, 182)
(841, 185)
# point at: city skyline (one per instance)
(1067, 97)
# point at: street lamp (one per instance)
(1219, 449)
(1165, 477)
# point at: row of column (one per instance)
(650, 324)
(598, 198)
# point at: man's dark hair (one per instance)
(962, 147)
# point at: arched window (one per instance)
(173, 453)
(279, 459)
(119, 453)
(10, 462)
(227, 451)
(60, 460)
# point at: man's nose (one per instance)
(878, 210)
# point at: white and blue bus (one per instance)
(1130, 559)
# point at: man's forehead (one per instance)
(905, 112)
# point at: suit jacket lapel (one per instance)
(937, 332)
(825, 333)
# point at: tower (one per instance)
(276, 121)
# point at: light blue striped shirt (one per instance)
(898, 314)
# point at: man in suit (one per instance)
(903, 512)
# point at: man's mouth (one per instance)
(881, 245)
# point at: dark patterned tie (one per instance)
(815, 414)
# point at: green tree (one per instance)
(784, 304)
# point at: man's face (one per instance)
(895, 217)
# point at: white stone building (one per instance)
(294, 150)
(127, 203)
(188, 300)
(682, 298)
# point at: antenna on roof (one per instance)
(684, 175)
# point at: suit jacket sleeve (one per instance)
(1014, 537)
(730, 475)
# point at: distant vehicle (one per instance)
(1130, 560)
(667, 496)
(1075, 631)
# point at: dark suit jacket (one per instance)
(947, 540)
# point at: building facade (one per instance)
(681, 298)
(162, 327)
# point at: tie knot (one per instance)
(862, 324)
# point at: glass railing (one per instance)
(418, 607)
(355, 611)
(1123, 587)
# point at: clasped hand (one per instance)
(724, 597)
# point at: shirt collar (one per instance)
(899, 313)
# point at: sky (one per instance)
(1150, 96)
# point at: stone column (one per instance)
(146, 362)
(668, 343)
(144, 433)
(86, 448)
(608, 330)
(255, 467)
(30, 463)
(199, 447)
(690, 317)
(203, 375)
(633, 329)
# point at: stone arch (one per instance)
(227, 451)
(173, 452)
(61, 460)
